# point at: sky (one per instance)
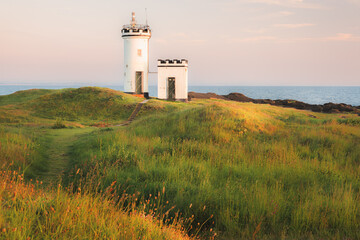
(227, 42)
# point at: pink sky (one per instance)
(227, 42)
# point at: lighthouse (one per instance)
(136, 57)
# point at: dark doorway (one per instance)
(171, 88)
(138, 82)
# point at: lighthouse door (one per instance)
(171, 88)
(138, 82)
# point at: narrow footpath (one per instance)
(59, 143)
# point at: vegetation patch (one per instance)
(240, 170)
(85, 104)
(27, 211)
(247, 170)
(59, 124)
(24, 96)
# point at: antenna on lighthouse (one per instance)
(146, 16)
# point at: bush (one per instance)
(58, 124)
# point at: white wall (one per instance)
(134, 63)
(180, 73)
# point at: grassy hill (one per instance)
(24, 96)
(84, 104)
(258, 170)
(30, 149)
(241, 170)
(87, 105)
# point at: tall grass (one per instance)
(260, 171)
(16, 149)
(239, 169)
(28, 212)
(22, 149)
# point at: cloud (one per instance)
(289, 3)
(256, 31)
(343, 37)
(253, 39)
(297, 25)
(339, 37)
(182, 37)
(262, 31)
(285, 13)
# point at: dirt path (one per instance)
(59, 142)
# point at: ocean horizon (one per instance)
(308, 94)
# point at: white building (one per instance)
(136, 57)
(173, 79)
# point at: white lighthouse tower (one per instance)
(136, 57)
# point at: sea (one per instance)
(307, 94)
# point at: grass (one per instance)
(241, 170)
(24, 96)
(261, 171)
(85, 105)
(57, 145)
(28, 212)
(17, 148)
(38, 149)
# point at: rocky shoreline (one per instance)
(325, 108)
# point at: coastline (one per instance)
(239, 97)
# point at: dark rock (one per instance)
(316, 108)
(326, 108)
(238, 97)
(205, 95)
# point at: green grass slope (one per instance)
(248, 170)
(29, 210)
(87, 105)
(83, 104)
(24, 96)
(241, 170)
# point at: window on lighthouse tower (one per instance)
(139, 52)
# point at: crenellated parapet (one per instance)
(172, 63)
(136, 30)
